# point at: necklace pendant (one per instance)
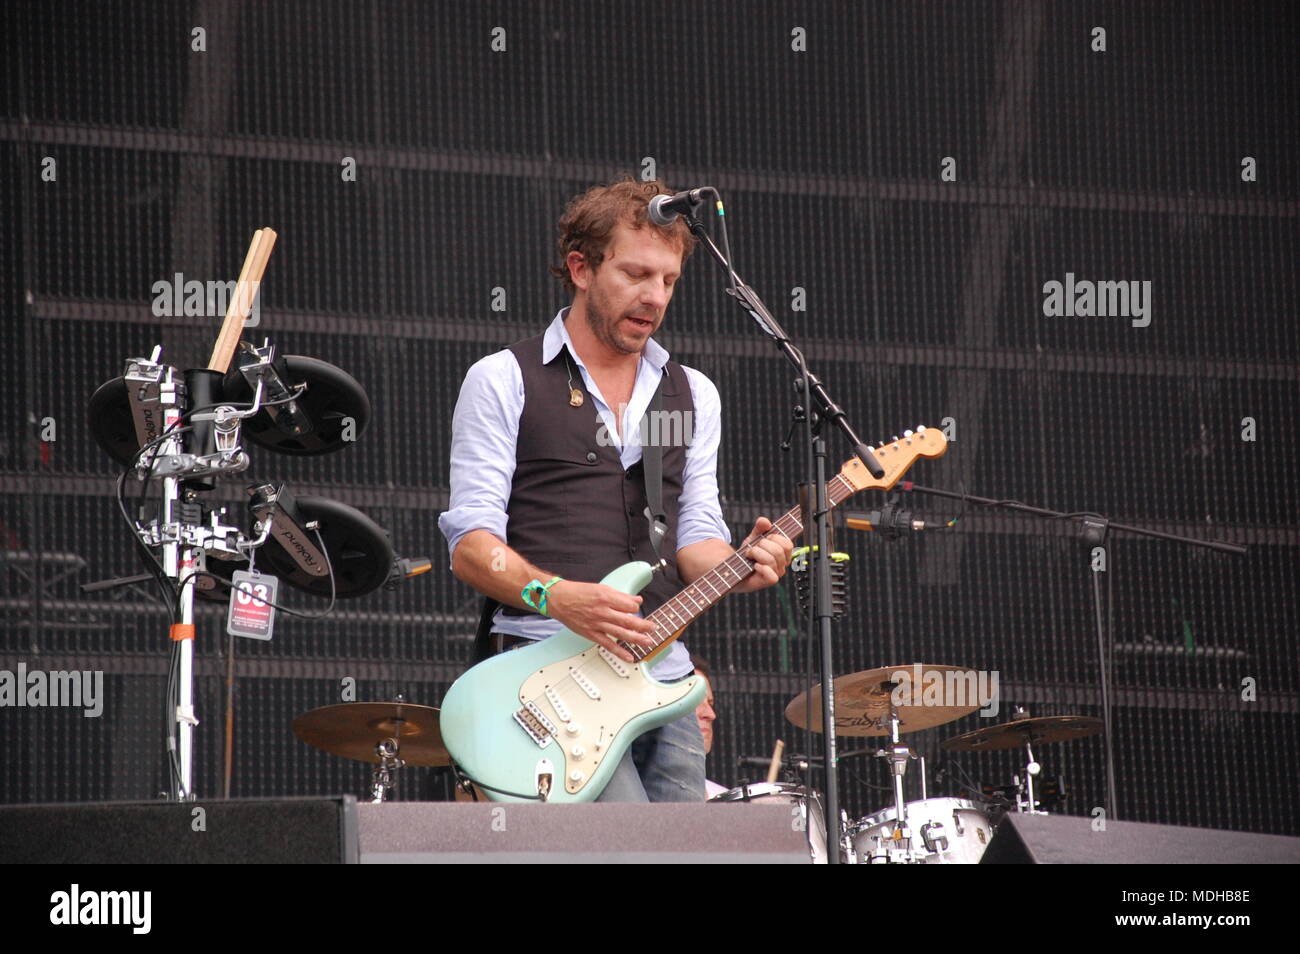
(575, 397)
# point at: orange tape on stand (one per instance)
(181, 631)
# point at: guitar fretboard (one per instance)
(682, 610)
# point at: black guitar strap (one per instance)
(652, 462)
(482, 639)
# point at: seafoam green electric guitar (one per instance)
(552, 721)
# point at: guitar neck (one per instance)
(676, 614)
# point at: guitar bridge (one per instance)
(539, 728)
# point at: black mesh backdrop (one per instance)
(924, 302)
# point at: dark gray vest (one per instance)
(573, 510)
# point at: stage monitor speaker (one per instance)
(681, 833)
(1071, 840)
(253, 831)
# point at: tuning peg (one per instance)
(907, 433)
(920, 428)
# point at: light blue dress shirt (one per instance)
(485, 429)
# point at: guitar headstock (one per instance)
(895, 457)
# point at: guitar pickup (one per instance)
(539, 728)
(558, 705)
(589, 687)
(620, 668)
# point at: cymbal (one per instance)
(862, 700)
(1012, 735)
(353, 729)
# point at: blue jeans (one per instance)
(663, 765)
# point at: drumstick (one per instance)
(241, 303)
(224, 349)
(775, 768)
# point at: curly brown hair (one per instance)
(591, 218)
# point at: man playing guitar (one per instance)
(549, 489)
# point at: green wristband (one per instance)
(535, 594)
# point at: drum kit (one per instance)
(875, 702)
(889, 703)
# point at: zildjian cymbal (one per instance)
(1012, 735)
(862, 699)
(353, 729)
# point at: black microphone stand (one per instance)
(1093, 529)
(817, 515)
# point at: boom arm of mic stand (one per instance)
(1058, 515)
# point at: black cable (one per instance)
(965, 505)
(862, 781)
(726, 243)
(970, 784)
(243, 589)
(231, 586)
(175, 779)
(500, 791)
(159, 571)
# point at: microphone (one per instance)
(664, 209)
(891, 520)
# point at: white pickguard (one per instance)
(597, 697)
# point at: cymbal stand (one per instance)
(1032, 769)
(899, 847)
(384, 778)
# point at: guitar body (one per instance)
(563, 708)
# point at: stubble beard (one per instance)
(602, 324)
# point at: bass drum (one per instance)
(945, 831)
(803, 804)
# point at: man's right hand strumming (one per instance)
(602, 614)
(597, 612)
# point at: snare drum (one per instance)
(802, 803)
(945, 831)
